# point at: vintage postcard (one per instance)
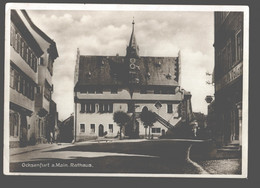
(126, 90)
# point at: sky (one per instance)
(158, 33)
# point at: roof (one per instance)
(53, 48)
(113, 70)
(26, 33)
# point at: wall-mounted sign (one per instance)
(233, 74)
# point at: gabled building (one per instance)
(130, 83)
(32, 54)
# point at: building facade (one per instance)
(130, 83)
(32, 54)
(228, 75)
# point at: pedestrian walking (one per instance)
(51, 137)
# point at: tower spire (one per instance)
(133, 49)
(133, 24)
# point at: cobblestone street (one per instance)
(222, 166)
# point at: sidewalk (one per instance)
(21, 150)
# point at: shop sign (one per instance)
(233, 74)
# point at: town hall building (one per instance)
(130, 83)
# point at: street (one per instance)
(118, 156)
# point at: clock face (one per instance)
(132, 66)
(132, 60)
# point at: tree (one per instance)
(121, 118)
(148, 118)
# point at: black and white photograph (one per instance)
(126, 90)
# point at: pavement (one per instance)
(45, 151)
(27, 149)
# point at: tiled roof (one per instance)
(113, 70)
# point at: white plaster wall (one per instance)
(98, 118)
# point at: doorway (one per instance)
(23, 131)
(101, 130)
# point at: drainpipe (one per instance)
(75, 116)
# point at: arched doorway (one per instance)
(100, 130)
(145, 109)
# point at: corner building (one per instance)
(228, 76)
(130, 83)
(32, 55)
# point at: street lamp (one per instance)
(209, 99)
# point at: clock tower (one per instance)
(132, 58)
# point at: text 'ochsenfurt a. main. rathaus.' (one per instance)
(132, 83)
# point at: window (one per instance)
(169, 108)
(156, 130)
(27, 89)
(24, 86)
(110, 127)
(157, 91)
(38, 89)
(101, 108)
(82, 128)
(90, 108)
(16, 75)
(16, 41)
(11, 77)
(110, 108)
(41, 128)
(34, 63)
(41, 61)
(171, 91)
(19, 82)
(99, 90)
(47, 91)
(29, 57)
(82, 109)
(14, 123)
(92, 128)
(143, 91)
(91, 90)
(50, 64)
(23, 49)
(229, 54)
(114, 90)
(239, 46)
(32, 92)
(130, 107)
(12, 36)
(106, 108)
(158, 105)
